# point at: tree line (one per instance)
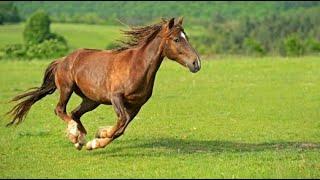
(287, 28)
(8, 12)
(291, 34)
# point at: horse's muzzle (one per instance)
(196, 66)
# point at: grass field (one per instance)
(236, 118)
(77, 35)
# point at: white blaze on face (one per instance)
(183, 35)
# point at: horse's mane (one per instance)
(139, 35)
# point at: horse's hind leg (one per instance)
(85, 106)
(74, 134)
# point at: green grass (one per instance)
(236, 118)
(10, 34)
(77, 35)
(88, 36)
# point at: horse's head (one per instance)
(177, 46)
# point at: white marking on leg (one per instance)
(94, 143)
(74, 130)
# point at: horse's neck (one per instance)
(153, 58)
(149, 60)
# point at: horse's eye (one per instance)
(176, 39)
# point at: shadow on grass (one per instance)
(165, 146)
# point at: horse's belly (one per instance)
(95, 94)
(92, 86)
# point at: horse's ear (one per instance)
(180, 21)
(171, 23)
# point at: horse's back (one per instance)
(90, 70)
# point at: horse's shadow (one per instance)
(163, 146)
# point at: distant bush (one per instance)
(57, 37)
(37, 28)
(14, 51)
(312, 46)
(8, 12)
(1, 19)
(293, 46)
(253, 47)
(39, 42)
(51, 48)
(204, 44)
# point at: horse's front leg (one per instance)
(106, 135)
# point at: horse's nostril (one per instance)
(195, 64)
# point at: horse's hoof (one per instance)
(103, 132)
(89, 146)
(78, 146)
(92, 144)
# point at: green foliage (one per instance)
(14, 51)
(37, 28)
(203, 44)
(51, 48)
(294, 46)
(8, 12)
(265, 35)
(253, 47)
(91, 18)
(57, 37)
(224, 28)
(39, 42)
(138, 13)
(1, 19)
(312, 46)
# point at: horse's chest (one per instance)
(139, 88)
(139, 95)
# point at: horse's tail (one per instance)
(20, 110)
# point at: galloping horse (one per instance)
(122, 77)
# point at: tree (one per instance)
(1, 19)
(253, 47)
(293, 46)
(39, 42)
(8, 12)
(37, 28)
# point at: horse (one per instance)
(122, 77)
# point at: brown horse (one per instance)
(123, 77)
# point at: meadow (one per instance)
(239, 117)
(77, 35)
